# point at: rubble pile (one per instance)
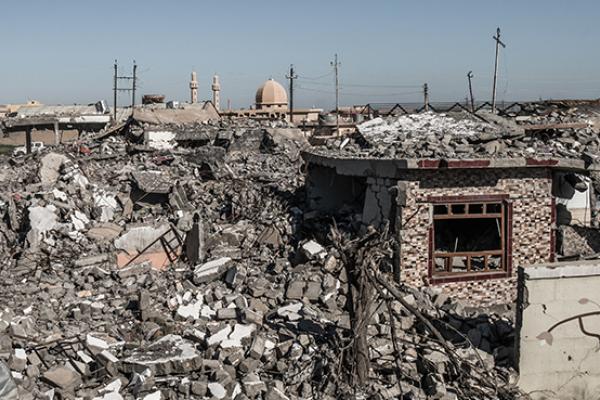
(197, 274)
(464, 136)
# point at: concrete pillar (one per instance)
(56, 133)
(28, 140)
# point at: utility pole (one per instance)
(116, 88)
(133, 87)
(335, 65)
(426, 97)
(115, 93)
(498, 44)
(469, 76)
(291, 77)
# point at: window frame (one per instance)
(505, 251)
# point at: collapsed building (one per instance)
(192, 259)
(468, 200)
(56, 120)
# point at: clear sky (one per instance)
(62, 51)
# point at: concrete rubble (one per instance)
(564, 133)
(264, 313)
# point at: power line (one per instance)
(357, 85)
(316, 83)
(382, 86)
(355, 93)
(316, 78)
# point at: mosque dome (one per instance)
(271, 94)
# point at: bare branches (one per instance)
(364, 259)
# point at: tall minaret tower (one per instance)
(194, 88)
(216, 89)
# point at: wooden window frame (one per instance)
(505, 251)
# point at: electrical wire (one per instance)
(383, 86)
(356, 85)
(357, 94)
(316, 78)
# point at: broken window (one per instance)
(469, 239)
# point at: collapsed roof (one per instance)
(466, 136)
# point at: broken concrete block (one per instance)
(313, 250)
(275, 394)
(113, 386)
(252, 317)
(239, 333)
(211, 270)
(190, 310)
(96, 259)
(134, 270)
(49, 171)
(253, 386)
(199, 387)
(313, 291)
(257, 348)
(18, 360)
(32, 371)
(8, 388)
(227, 313)
(95, 343)
(231, 277)
(295, 290)
(170, 354)
(290, 311)
(153, 396)
(219, 336)
(105, 231)
(249, 365)
(79, 220)
(42, 221)
(217, 390)
(63, 378)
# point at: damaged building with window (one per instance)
(468, 200)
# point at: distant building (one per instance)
(49, 123)
(271, 96)
(216, 90)
(271, 102)
(193, 88)
(6, 109)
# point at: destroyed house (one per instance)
(463, 223)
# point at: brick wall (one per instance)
(529, 192)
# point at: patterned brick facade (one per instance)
(526, 191)
(529, 192)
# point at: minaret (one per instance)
(194, 88)
(216, 89)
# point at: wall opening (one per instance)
(333, 193)
(469, 240)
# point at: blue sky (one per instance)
(63, 51)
